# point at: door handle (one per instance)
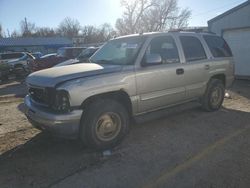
(207, 67)
(179, 71)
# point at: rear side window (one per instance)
(218, 46)
(193, 49)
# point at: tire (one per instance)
(104, 124)
(214, 95)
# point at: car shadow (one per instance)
(21, 107)
(241, 87)
(44, 160)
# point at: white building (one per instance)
(234, 26)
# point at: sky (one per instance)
(50, 13)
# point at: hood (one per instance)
(12, 61)
(55, 75)
(68, 62)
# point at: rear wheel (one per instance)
(214, 95)
(104, 124)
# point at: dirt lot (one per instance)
(186, 147)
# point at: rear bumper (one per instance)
(63, 125)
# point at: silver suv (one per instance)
(129, 76)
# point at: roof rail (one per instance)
(208, 32)
(176, 30)
(193, 30)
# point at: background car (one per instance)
(17, 62)
(4, 71)
(5, 57)
(83, 57)
(86, 54)
(63, 54)
(37, 55)
(34, 65)
(49, 55)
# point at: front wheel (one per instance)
(104, 124)
(214, 95)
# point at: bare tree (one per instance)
(45, 32)
(106, 32)
(14, 34)
(2, 33)
(182, 20)
(151, 15)
(27, 28)
(89, 33)
(92, 34)
(69, 27)
(133, 16)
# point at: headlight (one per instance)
(61, 103)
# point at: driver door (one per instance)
(160, 85)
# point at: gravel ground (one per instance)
(185, 147)
(12, 88)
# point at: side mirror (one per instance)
(153, 59)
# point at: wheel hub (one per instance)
(216, 96)
(108, 126)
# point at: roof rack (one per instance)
(193, 30)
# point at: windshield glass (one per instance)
(87, 53)
(61, 52)
(120, 51)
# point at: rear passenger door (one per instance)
(196, 65)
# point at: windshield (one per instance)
(61, 52)
(120, 51)
(87, 53)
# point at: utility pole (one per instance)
(8, 33)
(25, 26)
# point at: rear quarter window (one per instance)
(218, 46)
(193, 49)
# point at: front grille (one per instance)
(39, 95)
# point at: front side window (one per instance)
(164, 46)
(218, 46)
(193, 49)
(121, 51)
